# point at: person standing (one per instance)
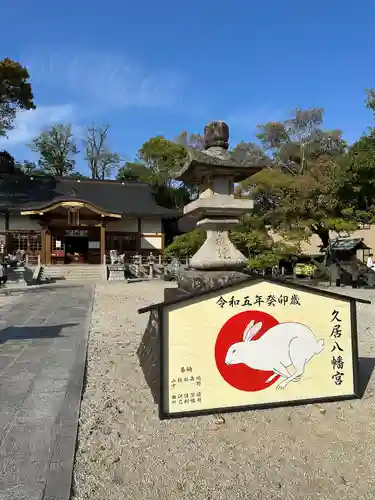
(370, 262)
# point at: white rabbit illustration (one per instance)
(281, 346)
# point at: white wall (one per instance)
(22, 222)
(151, 243)
(2, 223)
(128, 225)
(151, 226)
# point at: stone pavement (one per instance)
(43, 343)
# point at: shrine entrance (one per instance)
(75, 245)
(76, 249)
(73, 232)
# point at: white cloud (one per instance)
(101, 79)
(31, 123)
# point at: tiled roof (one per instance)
(23, 192)
(347, 244)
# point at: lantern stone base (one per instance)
(218, 253)
(190, 281)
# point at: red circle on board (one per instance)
(240, 376)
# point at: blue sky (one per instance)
(151, 68)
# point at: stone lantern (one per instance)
(216, 210)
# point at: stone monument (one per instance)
(217, 210)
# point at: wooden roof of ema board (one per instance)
(348, 245)
(20, 192)
(253, 281)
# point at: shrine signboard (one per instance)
(260, 343)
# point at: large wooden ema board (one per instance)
(258, 344)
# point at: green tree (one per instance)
(301, 205)
(31, 168)
(78, 175)
(159, 159)
(132, 171)
(299, 140)
(15, 93)
(253, 239)
(56, 148)
(185, 245)
(357, 180)
(162, 159)
(300, 194)
(100, 159)
(370, 100)
(157, 164)
(28, 167)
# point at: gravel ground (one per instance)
(124, 451)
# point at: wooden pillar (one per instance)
(48, 247)
(43, 252)
(102, 243)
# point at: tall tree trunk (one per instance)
(323, 234)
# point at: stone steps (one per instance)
(77, 272)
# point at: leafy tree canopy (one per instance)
(158, 162)
(357, 179)
(299, 195)
(78, 175)
(162, 159)
(56, 148)
(28, 168)
(15, 93)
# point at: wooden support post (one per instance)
(102, 243)
(43, 252)
(48, 247)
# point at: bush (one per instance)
(255, 244)
(185, 245)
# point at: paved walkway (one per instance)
(43, 342)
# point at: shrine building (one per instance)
(66, 220)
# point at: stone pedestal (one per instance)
(16, 275)
(116, 272)
(218, 252)
(191, 280)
